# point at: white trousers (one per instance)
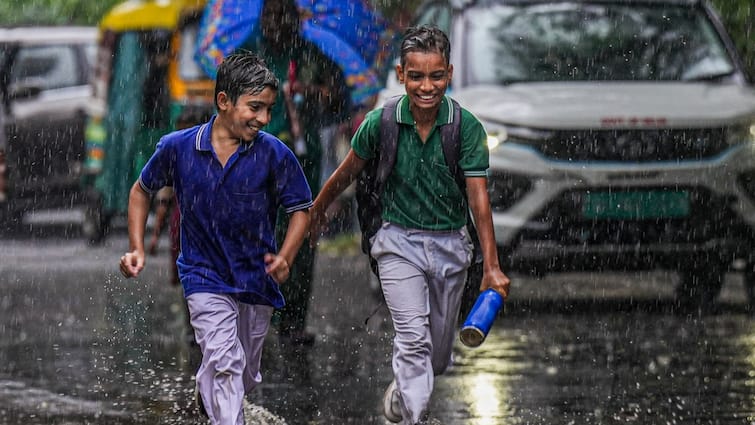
(231, 335)
(422, 274)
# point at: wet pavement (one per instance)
(79, 344)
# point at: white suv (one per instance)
(622, 134)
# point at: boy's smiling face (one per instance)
(248, 114)
(425, 76)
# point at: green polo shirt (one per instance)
(421, 193)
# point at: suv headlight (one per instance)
(499, 134)
(742, 133)
(496, 135)
(494, 140)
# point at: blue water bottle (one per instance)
(480, 318)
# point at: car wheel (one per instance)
(699, 287)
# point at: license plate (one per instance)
(636, 205)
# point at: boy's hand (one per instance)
(277, 267)
(496, 280)
(132, 263)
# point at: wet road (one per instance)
(81, 345)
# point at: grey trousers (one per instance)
(230, 335)
(422, 274)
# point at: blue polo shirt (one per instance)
(228, 214)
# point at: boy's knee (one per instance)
(230, 360)
(415, 345)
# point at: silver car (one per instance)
(44, 83)
(622, 134)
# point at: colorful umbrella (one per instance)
(225, 25)
(350, 32)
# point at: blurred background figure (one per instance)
(3, 141)
(307, 78)
(163, 206)
(324, 54)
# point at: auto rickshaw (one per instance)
(146, 84)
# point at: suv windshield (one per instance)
(587, 42)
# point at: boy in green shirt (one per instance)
(423, 249)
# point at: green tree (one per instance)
(53, 12)
(739, 18)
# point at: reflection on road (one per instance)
(79, 344)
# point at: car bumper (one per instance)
(547, 219)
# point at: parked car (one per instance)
(622, 134)
(44, 81)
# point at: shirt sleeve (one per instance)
(475, 157)
(158, 172)
(291, 184)
(366, 139)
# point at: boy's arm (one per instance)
(138, 208)
(344, 175)
(479, 203)
(278, 266)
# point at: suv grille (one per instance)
(506, 189)
(635, 145)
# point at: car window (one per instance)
(47, 67)
(578, 41)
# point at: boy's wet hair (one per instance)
(243, 73)
(425, 39)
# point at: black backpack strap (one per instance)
(388, 142)
(450, 137)
(371, 180)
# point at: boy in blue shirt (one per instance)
(230, 178)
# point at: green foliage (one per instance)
(738, 16)
(53, 12)
(739, 19)
(344, 244)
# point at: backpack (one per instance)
(371, 180)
